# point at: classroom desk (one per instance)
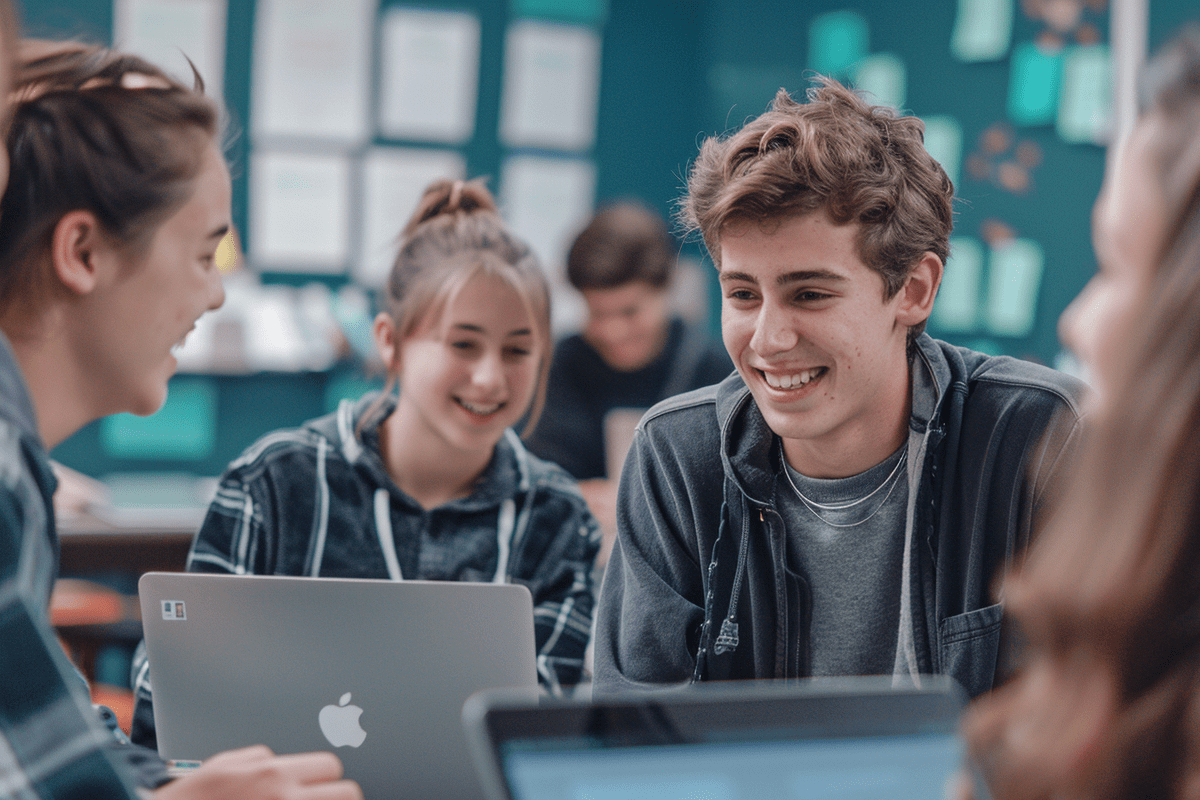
(90, 545)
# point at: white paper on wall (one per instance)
(312, 69)
(551, 86)
(169, 33)
(299, 211)
(393, 180)
(429, 77)
(547, 201)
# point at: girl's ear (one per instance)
(386, 345)
(78, 248)
(919, 290)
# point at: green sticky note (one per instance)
(883, 78)
(583, 11)
(836, 42)
(956, 309)
(1014, 278)
(184, 428)
(1085, 102)
(982, 30)
(1033, 83)
(944, 141)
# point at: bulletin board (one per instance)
(1011, 115)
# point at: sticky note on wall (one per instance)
(184, 428)
(884, 78)
(836, 42)
(1033, 84)
(1085, 102)
(1014, 279)
(956, 309)
(943, 141)
(982, 30)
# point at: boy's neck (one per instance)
(853, 448)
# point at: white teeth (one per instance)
(791, 381)
(483, 411)
(175, 348)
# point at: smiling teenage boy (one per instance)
(842, 504)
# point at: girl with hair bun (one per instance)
(117, 198)
(426, 480)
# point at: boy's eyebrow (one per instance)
(796, 276)
(808, 275)
(219, 233)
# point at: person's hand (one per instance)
(255, 773)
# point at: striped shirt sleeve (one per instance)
(52, 744)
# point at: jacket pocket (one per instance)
(969, 645)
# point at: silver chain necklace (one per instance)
(813, 505)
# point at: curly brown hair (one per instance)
(836, 152)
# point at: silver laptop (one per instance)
(828, 739)
(374, 671)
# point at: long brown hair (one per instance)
(454, 235)
(1108, 702)
(95, 130)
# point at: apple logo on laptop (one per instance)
(340, 723)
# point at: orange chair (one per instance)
(88, 617)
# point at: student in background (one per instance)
(632, 353)
(1107, 703)
(842, 504)
(429, 482)
(117, 198)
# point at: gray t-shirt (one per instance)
(851, 557)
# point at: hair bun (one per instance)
(449, 198)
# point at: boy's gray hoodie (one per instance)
(697, 589)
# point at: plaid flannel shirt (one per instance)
(318, 501)
(52, 743)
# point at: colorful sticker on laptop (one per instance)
(173, 609)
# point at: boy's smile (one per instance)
(821, 350)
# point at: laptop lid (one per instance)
(850, 739)
(375, 671)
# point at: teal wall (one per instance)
(673, 72)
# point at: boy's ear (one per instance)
(77, 246)
(384, 330)
(919, 290)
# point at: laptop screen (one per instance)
(910, 767)
(854, 739)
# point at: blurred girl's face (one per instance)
(1129, 226)
(471, 371)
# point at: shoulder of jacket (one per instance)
(283, 445)
(1034, 380)
(693, 405)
